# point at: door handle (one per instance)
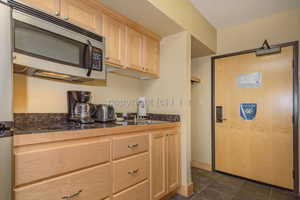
(220, 114)
(90, 56)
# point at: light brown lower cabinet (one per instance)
(173, 160)
(130, 171)
(34, 163)
(124, 146)
(158, 165)
(93, 184)
(165, 162)
(131, 166)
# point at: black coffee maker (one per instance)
(79, 107)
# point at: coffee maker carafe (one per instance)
(79, 107)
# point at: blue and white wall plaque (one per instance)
(248, 110)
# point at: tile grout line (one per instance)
(206, 186)
(221, 193)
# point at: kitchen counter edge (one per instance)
(56, 136)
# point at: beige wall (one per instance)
(171, 93)
(187, 16)
(279, 28)
(201, 111)
(34, 95)
(5, 168)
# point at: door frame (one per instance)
(295, 45)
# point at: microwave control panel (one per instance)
(97, 60)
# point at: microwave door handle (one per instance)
(90, 53)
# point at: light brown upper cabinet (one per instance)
(114, 33)
(151, 55)
(129, 46)
(134, 49)
(85, 14)
(50, 6)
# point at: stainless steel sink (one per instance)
(147, 121)
(140, 122)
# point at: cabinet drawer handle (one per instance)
(131, 146)
(70, 196)
(133, 171)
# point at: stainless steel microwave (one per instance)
(46, 46)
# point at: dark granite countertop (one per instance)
(6, 129)
(29, 123)
(75, 126)
(6, 134)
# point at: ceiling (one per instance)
(225, 13)
(144, 13)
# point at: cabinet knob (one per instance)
(133, 171)
(70, 196)
(131, 146)
(57, 13)
(107, 58)
(66, 18)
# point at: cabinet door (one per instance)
(151, 55)
(114, 32)
(173, 169)
(49, 6)
(158, 165)
(134, 44)
(85, 14)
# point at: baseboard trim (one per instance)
(186, 190)
(201, 165)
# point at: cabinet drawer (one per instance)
(137, 192)
(37, 162)
(130, 171)
(129, 145)
(92, 184)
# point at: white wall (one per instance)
(171, 93)
(278, 28)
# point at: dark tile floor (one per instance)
(217, 186)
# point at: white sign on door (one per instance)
(252, 80)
